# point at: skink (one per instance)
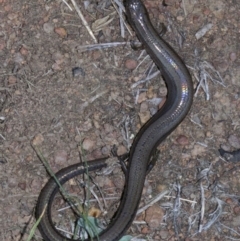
(176, 107)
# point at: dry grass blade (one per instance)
(100, 46)
(120, 9)
(156, 199)
(101, 23)
(85, 23)
(153, 75)
(203, 72)
(125, 131)
(176, 209)
(202, 208)
(67, 5)
(32, 231)
(214, 216)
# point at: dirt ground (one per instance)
(66, 97)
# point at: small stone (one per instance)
(142, 97)
(88, 144)
(236, 221)
(78, 139)
(48, 28)
(12, 80)
(145, 230)
(234, 141)
(221, 65)
(218, 8)
(24, 51)
(38, 140)
(164, 234)
(163, 91)
(161, 187)
(198, 150)
(86, 126)
(209, 134)
(119, 183)
(12, 182)
(121, 150)
(78, 71)
(17, 92)
(96, 54)
(182, 140)
(229, 201)
(144, 106)
(236, 210)
(131, 64)
(60, 157)
(2, 44)
(96, 154)
(61, 32)
(108, 128)
(22, 185)
(19, 59)
(233, 56)
(105, 151)
(150, 92)
(12, 16)
(144, 116)
(36, 185)
(154, 216)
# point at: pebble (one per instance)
(2, 44)
(86, 125)
(12, 182)
(24, 51)
(19, 59)
(236, 221)
(218, 8)
(78, 71)
(48, 28)
(154, 216)
(60, 157)
(22, 185)
(182, 140)
(144, 116)
(96, 154)
(233, 56)
(234, 141)
(197, 150)
(12, 80)
(163, 91)
(88, 144)
(12, 16)
(142, 97)
(121, 150)
(164, 234)
(131, 64)
(221, 65)
(236, 210)
(61, 32)
(38, 140)
(108, 128)
(119, 183)
(105, 150)
(143, 106)
(145, 230)
(36, 185)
